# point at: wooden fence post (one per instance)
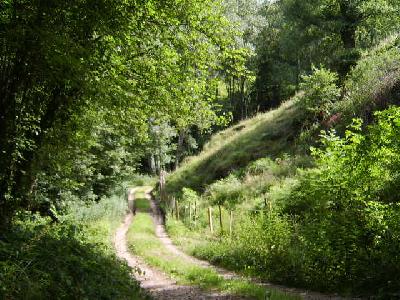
(195, 213)
(220, 218)
(177, 209)
(230, 222)
(210, 220)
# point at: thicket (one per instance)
(333, 227)
(88, 91)
(72, 259)
(300, 34)
(86, 88)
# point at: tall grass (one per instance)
(267, 134)
(143, 242)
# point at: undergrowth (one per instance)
(143, 242)
(71, 260)
(326, 218)
(266, 134)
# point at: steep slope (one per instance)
(267, 134)
(332, 226)
(373, 85)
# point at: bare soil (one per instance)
(156, 283)
(160, 286)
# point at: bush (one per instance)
(189, 196)
(227, 192)
(70, 260)
(347, 208)
(320, 91)
(334, 227)
(373, 84)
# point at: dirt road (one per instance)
(160, 286)
(156, 283)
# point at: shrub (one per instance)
(373, 84)
(320, 91)
(70, 260)
(189, 196)
(227, 192)
(334, 227)
(347, 208)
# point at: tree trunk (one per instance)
(350, 18)
(179, 148)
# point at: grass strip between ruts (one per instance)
(143, 242)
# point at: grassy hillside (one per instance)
(271, 133)
(326, 220)
(291, 128)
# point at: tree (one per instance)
(346, 22)
(238, 64)
(62, 63)
(299, 34)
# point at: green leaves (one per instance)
(81, 80)
(320, 91)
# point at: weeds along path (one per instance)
(167, 242)
(156, 283)
(282, 292)
(153, 246)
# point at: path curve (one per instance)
(161, 287)
(167, 242)
(156, 283)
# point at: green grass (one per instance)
(268, 134)
(140, 191)
(372, 85)
(251, 184)
(143, 242)
(142, 204)
(142, 180)
(185, 239)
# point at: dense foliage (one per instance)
(73, 259)
(82, 82)
(333, 226)
(321, 210)
(93, 91)
(300, 34)
(84, 85)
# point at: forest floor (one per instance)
(157, 274)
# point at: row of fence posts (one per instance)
(173, 204)
(193, 208)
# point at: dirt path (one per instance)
(159, 286)
(167, 242)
